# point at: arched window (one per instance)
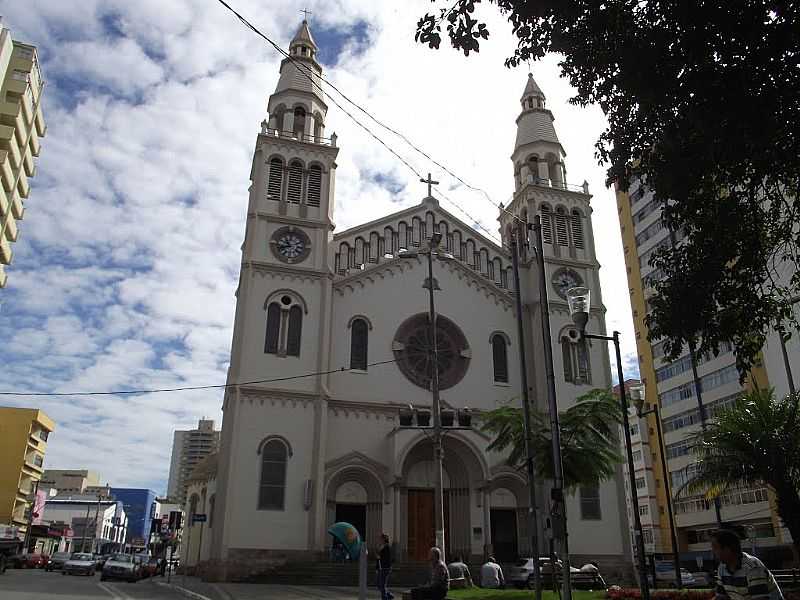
(299, 121)
(193, 500)
(284, 325)
(314, 185)
(275, 181)
(272, 487)
(590, 502)
(547, 224)
(500, 358)
(575, 355)
(358, 344)
(295, 187)
(273, 328)
(577, 229)
(295, 329)
(211, 503)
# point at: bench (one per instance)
(789, 578)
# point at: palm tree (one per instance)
(753, 443)
(589, 443)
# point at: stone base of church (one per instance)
(247, 564)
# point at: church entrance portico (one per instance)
(355, 495)
(462, 473)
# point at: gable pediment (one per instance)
(373, 245)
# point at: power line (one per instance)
(193, 387)
(305, 71)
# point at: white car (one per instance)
(521, 574)
(665, 574)
(80, 563)
(120, 566)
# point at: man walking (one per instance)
(740, 575)
(384, 568)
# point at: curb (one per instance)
(183, 591)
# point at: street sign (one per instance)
(198, 518)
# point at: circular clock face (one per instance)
(564, 279)
(290, 244)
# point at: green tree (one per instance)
(754, 443)
(590, 447)
(703, 103)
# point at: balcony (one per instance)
(301, 137)
(10, 231)
(558, 185)
(5, 251)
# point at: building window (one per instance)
(575, 356)
(314, 185)
(590, 502)
(641, 483)
(284, 326)
(275, 180)
(637, 455)
(359, 333)
(644, 510)
(500, 358)
(193, 500)
(561, 227)
(273, 328)
(547, 224)
(295, 187)
(272, 489)
(299, 121)
(211, 502)
(577, 229)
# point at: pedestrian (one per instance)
(459, 573)
(741, 576)
(439, 584)
(492, 575)
(384, 568)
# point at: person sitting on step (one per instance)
(440, 580)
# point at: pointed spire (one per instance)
(531, 88)
(303, 37)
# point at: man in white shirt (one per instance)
(492, 575)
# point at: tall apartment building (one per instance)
(21, 126)
(671, 385)
(23, 443)
(189, 447)
(68, 482)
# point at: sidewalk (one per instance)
(193, 587)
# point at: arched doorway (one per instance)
(355, 495)
(503, 520)
(462, 469)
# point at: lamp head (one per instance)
(579, 300)
(436, 239)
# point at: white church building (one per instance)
(300, 453)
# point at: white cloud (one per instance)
(125, 273)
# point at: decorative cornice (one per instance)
(501, 296)
(281, 271)
(296, 221)
(274, 396)
(355, 459)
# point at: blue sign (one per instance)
(198, 518)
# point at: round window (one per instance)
(413, 345)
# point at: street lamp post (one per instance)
(579, 299)
(438, 456)
(637, 395)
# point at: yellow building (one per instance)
(21, 126)
(23, 443)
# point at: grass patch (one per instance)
(477, 593)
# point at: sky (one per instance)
(127, 262)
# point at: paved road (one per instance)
(35, 584)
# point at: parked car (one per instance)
(80, 563)
(521, 575)
(56, 562)
(665, 575)
(120, 566)
(32, 560)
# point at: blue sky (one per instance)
(127, 261)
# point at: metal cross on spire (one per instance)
(430, 183)
(306, 12)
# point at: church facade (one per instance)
(299, 452)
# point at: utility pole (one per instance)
(533, 520)
(96, 516)
(559, 512)
(85, 528)
(30, 515)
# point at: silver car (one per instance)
(120, 566)
(80, 563)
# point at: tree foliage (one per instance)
(589, 443)
(754, 443)
(703, 103)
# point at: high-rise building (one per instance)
(23, 443)
(21, 126)
(189, 447)
(671, 384)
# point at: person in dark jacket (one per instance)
(384, 568)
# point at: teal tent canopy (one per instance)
(348, 536)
